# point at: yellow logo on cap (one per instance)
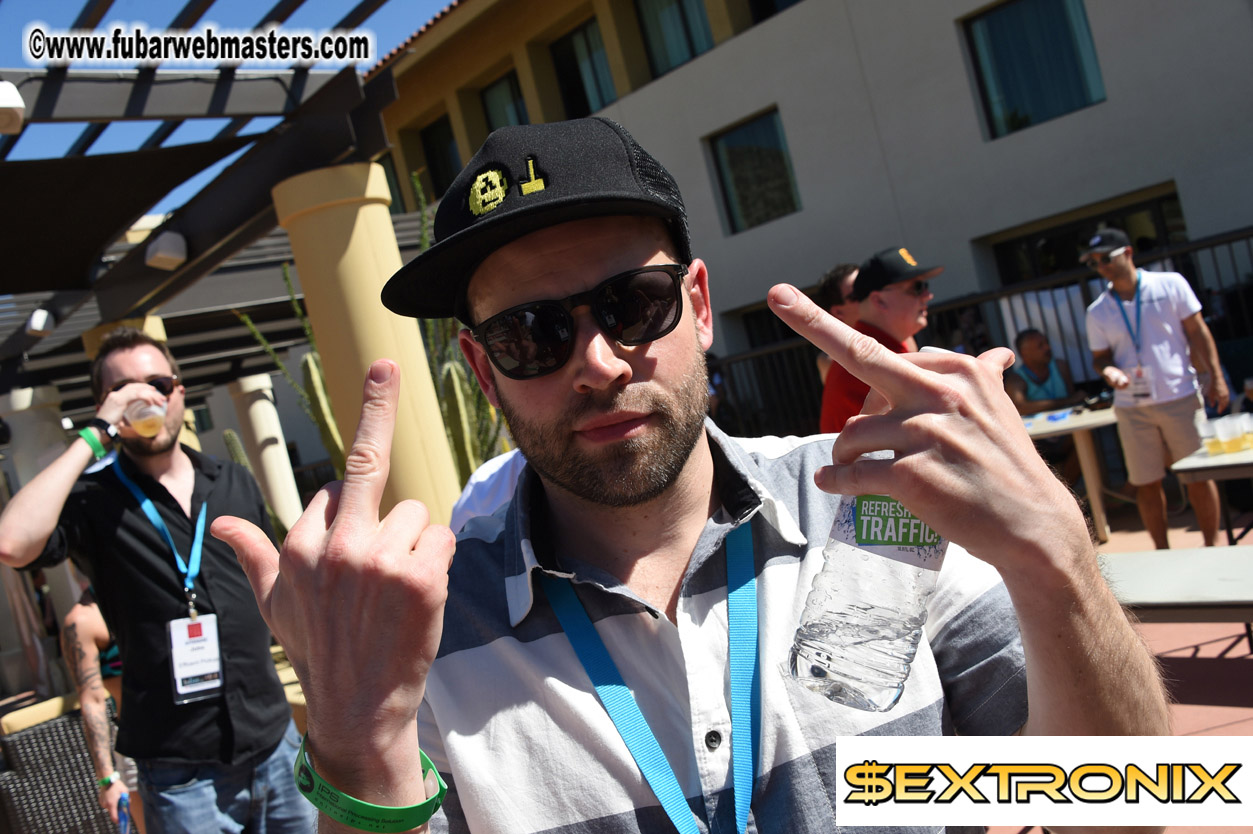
(534, 183)
(488, 192)
(909, 259)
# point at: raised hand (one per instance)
(964, 463)
(358, 604)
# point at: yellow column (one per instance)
(262, 434)
(345, 250)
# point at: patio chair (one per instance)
(48, 784)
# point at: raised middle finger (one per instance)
(861, 355)
(369, 459)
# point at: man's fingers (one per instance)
(368, 461)
(861, 355)
(1001, 358)
(255, 552)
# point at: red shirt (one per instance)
(843, 393)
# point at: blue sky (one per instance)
(395, 21)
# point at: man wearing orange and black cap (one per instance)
(892, 294)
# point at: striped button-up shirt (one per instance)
(513, 722)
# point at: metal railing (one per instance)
(776, 389)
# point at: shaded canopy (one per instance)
(93, 198)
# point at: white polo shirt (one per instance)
(1166, 299)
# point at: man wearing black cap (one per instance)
(892, 295)
(1149, 342)
(604, 653)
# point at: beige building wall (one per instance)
(884, 125)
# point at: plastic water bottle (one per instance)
(124, 813)
(864, 615)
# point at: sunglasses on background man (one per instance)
(914, 288)
(164, 384)
(1100, 259)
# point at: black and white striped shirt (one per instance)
(513, 723)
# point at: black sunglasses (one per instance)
(1100, 258)
(916, 288)
(635, 307)
(164, 384)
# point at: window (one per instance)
(443, 162)
(675, 32)
(1035, 61)
(502, 101)
(756, 172)
(202, 417)
(1151, 225)
(583, 71)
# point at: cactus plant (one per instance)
(315, 390)
(312, 396)
(235, 448)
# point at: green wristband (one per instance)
(362, 815)
(97, 448)
(109, 780)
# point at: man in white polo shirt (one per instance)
(1146, 334)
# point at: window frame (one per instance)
(998, 124)
(599, 68)
(735, 221)
(427, 139)
(693, 48)
(509, 78)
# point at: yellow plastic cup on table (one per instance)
(1209, 437)
(1230, 432)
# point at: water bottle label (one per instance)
(883, 521)
(882, 525)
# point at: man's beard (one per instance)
(629, 472)
(149, 447)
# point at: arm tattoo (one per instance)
(84, 666)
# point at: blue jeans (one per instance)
(203, 798)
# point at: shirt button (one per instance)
(713, 738)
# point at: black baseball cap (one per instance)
(1106, 240)
(887, 267)
(525, 178)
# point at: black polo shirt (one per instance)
(140, 589)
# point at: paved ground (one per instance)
(1209, 665)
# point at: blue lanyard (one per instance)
(189, 569)
(625, 712)
(1135, 334)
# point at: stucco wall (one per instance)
(885, 132)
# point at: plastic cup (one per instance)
(1213, 446)
(1246, 422)
(145, 418)
(1230, 432)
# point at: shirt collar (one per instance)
(737, 479)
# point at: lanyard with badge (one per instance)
(625, 712)
(195, 657)
(1141, 377)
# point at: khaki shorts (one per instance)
(1155, 436)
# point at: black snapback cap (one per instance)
(1106, 240)
(887, 267)
(523, 179)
